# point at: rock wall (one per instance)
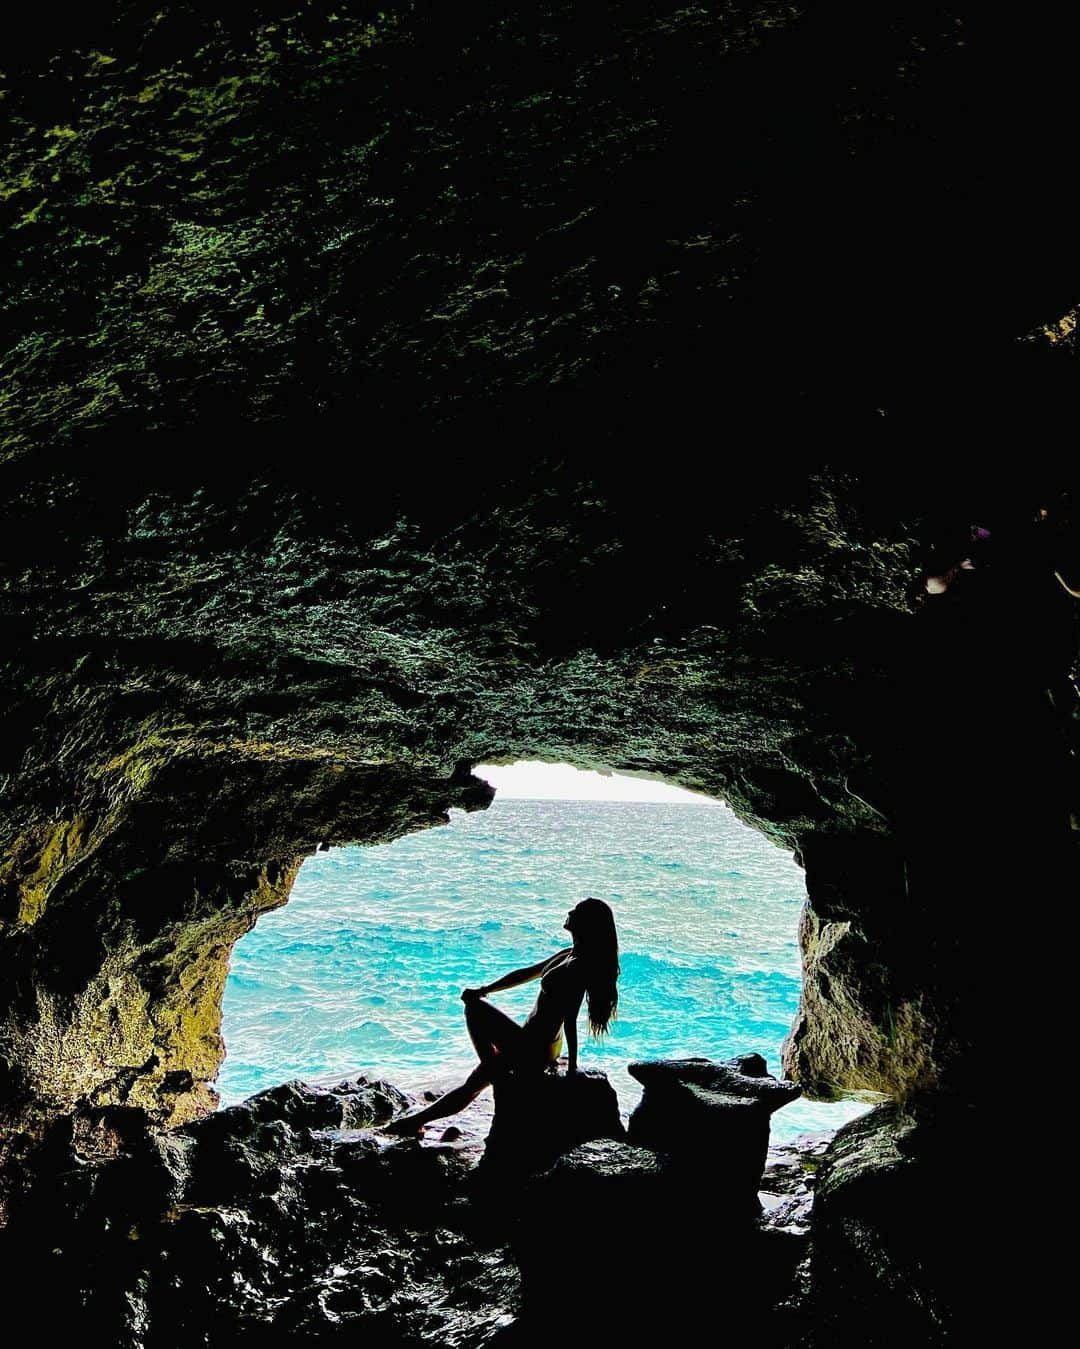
(178, 746)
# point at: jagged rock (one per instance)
(711, 1117)
(240, 1151)
(889, 1265)
(538, 1116)
(366, 1102)
(793, 1166)
(265, 1222)
(787, 1185)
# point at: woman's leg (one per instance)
(491, 1031)
(494, 1034)
(450, 1104)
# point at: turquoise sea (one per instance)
(361, 971)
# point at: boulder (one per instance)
(239, 1152)
(711, 1119)
(273, 1221)
(366, 1102)
(890, 1264)
(540, 1116)
(603, 1202)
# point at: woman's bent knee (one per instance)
(478, 1014)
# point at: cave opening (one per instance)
(361, 971)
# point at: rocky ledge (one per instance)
(292, 1216)
(286, 1216)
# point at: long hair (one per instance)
(597, 945)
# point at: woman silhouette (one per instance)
(588, 968)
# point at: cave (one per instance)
(172, 781)
(387, 391)
(365, 964)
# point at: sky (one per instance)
(561, 782)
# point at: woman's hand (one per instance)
(470, 994)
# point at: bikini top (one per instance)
(550, 981)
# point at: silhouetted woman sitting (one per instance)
(588, 968)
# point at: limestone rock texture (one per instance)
(235, 684)
(387, 390)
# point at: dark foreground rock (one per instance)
(285, 1219)
(711, 1119)
(292, 1219)
(240, 1152)
(902, 1239)
(540, 1117)
(658, 1219)
(616, 1244)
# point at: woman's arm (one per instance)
(522, 976)
(573, 1006)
